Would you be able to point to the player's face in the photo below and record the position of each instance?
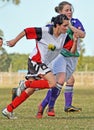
(67, 10)
(64, 26)
(1, 42)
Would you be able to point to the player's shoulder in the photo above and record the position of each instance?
(74, 20)
(45, 29)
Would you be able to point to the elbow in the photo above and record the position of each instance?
(83, 36)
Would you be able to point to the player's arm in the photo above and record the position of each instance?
(77, 30)
(74, 46)
(30, 33)
(12, 42)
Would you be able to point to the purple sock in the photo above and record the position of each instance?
(54, 95)
(68, 96)
(46, 99)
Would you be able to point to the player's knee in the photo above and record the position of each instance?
(29, 91)
(52, 85)
(71, 81)
(61, 81)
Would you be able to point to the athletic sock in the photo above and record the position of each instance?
(17, 101)
(46, 99)
(68, 95)
(54, 95)
(41, 84)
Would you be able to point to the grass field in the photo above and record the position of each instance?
(62, 121)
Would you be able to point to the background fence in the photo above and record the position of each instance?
(11, 79)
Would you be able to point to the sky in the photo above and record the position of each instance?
(34, 13)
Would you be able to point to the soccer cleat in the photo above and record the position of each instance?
(20, 88)
(40, 112)
(72, 109)
(9, 115)
(50, 112)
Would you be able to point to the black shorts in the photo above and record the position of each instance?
(35, 69)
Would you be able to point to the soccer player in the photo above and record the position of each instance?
(75, 26)
(49, 42)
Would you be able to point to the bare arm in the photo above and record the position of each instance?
(75, 39)
(81, 33)
(12, 42)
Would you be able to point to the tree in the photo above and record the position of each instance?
(16, 2)
(4, 60)
(80, 60)
(18, 61)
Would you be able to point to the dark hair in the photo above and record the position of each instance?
(1, 38)
(61, 6)
(58, 19)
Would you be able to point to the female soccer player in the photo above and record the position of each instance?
(75, 26)
(49, 42)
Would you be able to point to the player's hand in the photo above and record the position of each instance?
(75, 37)
(11, 43)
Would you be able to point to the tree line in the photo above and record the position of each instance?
(15, 62)
(12, 62)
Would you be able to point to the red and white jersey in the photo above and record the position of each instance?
(44, 36)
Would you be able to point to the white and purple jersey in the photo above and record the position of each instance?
(76, 23)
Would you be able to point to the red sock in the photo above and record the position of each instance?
(42, 84)
(17, 101)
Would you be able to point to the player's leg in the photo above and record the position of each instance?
(49, 100)
(16, 102)
(68, 94)
(59, 69)
(46, 80)
(55, 92)
(20, 88)
(41, 84)
(43, 104)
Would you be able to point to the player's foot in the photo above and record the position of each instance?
(9, 115)
(20, 88)
(72, 109)
(40, 112)
(50, 112)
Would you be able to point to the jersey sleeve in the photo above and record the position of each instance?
(76, 23)
(33, 33)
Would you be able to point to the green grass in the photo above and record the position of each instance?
(62, 121)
